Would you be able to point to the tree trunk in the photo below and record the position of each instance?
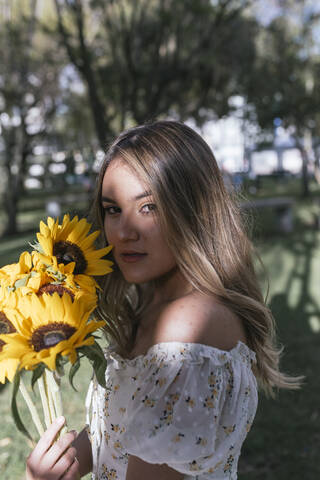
(305, 192)
(317, 164)
(304, 144)
(10, 202)
(84, 66)
(17, 150)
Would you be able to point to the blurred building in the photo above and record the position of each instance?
(234, 147)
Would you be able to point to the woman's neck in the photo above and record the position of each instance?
(170, 287)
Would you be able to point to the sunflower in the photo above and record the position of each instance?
(29, 276)
(22, 276)
(52, 325)
(14, 269)
(8, 298)
(70, 245)
(62, 275)
(8, 326)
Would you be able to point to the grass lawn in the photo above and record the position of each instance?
(285, 438)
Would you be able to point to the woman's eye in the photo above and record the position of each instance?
(148, 208)
(111, 210)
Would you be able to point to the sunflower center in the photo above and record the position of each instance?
(67, 252)
(5, 327)
(51, 288)
(48, 336)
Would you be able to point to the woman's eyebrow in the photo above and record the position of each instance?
(138, 197)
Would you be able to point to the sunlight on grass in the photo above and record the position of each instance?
(283, 443)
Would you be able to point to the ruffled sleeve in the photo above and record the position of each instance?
(192, 407)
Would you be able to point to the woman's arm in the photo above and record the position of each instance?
(138, 469)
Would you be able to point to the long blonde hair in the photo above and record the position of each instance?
(204, 231)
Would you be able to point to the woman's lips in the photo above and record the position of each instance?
(132, 257)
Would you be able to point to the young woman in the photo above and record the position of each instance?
(189, 333)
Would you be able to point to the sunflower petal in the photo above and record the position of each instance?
(8, 369)
(89, 240)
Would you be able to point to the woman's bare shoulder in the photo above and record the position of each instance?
(199, 318)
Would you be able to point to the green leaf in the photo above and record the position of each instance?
(22, 282)
(73, 370)
(61, 361)
(14, 407)
(100, 372)
(37, 246)
(37, 372)
(99, 363)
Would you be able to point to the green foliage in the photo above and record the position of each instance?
(29, 96)
(73, 370)
(284, 80)
(14, 409)
(36, 374)
(145, 59)
(95, 355)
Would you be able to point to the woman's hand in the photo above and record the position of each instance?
(54, 461)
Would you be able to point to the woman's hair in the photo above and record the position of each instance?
(203, 228)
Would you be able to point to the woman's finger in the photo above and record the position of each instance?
(65, 461)
(58, 449)
(73, 472)
(47, 439)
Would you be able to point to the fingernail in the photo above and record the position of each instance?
(60, 420)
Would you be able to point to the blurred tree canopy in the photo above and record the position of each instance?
(284, 85)
(73, 73)
(29, 98)
(141, 59)
(137, 60)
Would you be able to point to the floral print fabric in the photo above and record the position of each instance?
(187, 405)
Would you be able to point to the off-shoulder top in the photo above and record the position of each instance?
(187, 405)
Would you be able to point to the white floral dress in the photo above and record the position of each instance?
(187, 405)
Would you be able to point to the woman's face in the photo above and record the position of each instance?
(132, 227)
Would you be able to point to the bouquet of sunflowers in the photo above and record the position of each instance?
(46, 304)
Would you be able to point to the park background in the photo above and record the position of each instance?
(246, 74)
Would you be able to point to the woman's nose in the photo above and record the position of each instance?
(127, 229)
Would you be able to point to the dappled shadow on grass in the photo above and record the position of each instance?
(285, 437)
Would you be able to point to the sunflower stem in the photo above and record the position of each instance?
(32, 408)
(44, 400)
(56, 396)
(50, 397)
